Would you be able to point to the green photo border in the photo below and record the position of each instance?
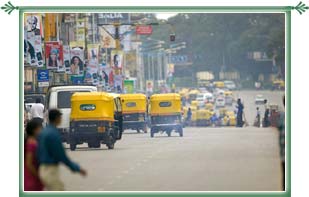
(259, 9)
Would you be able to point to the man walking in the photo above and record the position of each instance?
(240, 108)
(37, 110)
(51, 153)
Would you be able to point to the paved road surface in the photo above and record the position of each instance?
(205, 159)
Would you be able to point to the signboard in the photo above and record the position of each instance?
(104, 18)
(76, 80)
(43, 75)
(128, 86)
(179, 59)
(144, 29)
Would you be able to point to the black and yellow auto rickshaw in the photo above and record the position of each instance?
(165, 114)
(134, 109)
(96, 118)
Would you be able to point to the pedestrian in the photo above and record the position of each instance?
(51, 153)
(240, 108)
(32, 181)
(258, 117)
(189, 116)
(281, 129)
(37, 110)
(266, 121)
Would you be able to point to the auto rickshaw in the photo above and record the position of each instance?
(134, 112)
(203, 117)
(278, 84)
(222, 112)
(96, 117)
(209, 106)
(219, 84)
(193, 95)
(165, 113)
(229, 119)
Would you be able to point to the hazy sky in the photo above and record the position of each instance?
(165, 15)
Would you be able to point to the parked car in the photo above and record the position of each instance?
(230, 85)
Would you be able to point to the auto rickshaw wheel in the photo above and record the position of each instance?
(110, 145)
(72, 146)
(180, 131)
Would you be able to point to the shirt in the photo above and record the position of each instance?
(51, 150)
(37, 110)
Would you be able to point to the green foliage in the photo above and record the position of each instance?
(214, 39)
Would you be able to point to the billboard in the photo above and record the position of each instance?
(54, 56)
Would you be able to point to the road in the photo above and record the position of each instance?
(205, 159)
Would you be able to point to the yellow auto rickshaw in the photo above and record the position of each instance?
(203, 117)
(134, 109)
(165, 114)
(219, 84)
(209, 106)
(278, 84)
(193, 95)
(96, 117)
(229, 119)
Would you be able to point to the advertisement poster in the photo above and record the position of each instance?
(66, 58)
(34, 24)
(106, 40)
(76, 61)
(33, 41)
(118, 83)
(54, 56)
(106, 76)
(117, 59)
(128, 86)
(33, 49)
(93, 64)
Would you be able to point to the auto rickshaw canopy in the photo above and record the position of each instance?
(133, 103)
(219, 84)
(92, 106)
(165, 104)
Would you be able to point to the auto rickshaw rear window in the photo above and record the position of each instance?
(131, 104)
(165, 104)
(87, 107)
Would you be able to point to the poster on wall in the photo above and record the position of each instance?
(128, 86)
(54, 56)
(106, 76)
(33, 49)
(66, 58)
(33, 24)
(93, 64)
(117, 59)
(33, 40)
(76, 61)
(118, 83)
(106, 40)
